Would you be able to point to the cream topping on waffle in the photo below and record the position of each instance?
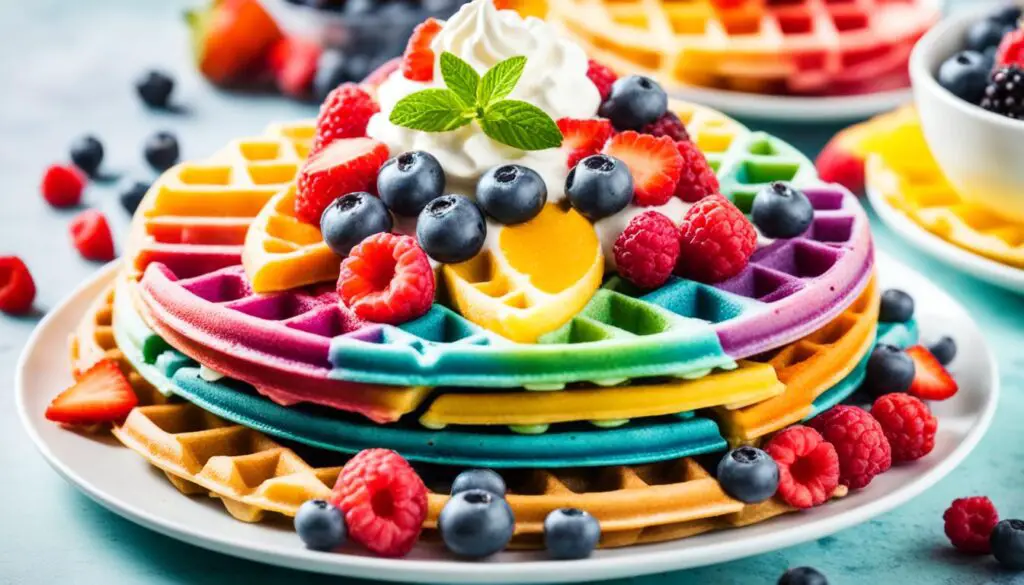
(554, 79)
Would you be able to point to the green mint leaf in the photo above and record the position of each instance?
(431, 110)
(499, 81)
(460, 77)
(520, 125)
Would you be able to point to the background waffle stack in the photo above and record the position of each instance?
(811, 47)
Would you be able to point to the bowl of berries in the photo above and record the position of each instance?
(968, 79)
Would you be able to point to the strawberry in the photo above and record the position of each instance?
(230, 39)
(102, 394)
(837, 163)
(293, 62)
(931, 380)
(583, 138)
(90, 233)
(418, 60)
(344, 114)
(654, 162)
(347, 165)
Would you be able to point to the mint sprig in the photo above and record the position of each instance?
(468, 97)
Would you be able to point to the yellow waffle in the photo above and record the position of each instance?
(900, 168)
(253, 475)
(195, 216)
(808, 367)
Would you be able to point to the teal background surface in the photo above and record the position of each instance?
(67, 68)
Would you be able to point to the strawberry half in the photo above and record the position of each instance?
(418, 60)
(654, 162)
(101, 395)
(347, 165)
(931, 380)
(583, 138)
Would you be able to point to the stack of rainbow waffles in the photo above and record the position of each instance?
(802, 47)
(594, 319)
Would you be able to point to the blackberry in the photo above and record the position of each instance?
(1005, 93)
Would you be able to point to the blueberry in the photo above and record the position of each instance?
(1007, 542)
(351, 218)
(965, 75)
(87, 154)
(944, 350)
(889, 370)
(1008, 15)
(635, 102)
(985, 33)
(409, 181)
(132, 195)
(780, 211)
(479, 479)
(599, 186)
(320, 525)
(155, 88)
(570, 533)
(511, 194)
(360, 7)
(451, 229)
(161, 151)
(748, 474)
(803, 576)
(476, 524)
(897, 307)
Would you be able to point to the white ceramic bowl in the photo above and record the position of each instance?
(981, 153)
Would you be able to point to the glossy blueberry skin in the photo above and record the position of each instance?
(599, 186)
(87, 154)
(889, 370)
(320, 525)
(896, 307)
(161, 151)
(155, 87)
(748, 474)
(132, 195)
(780, 211)
(1007, 542)
(476, 524)
(479, 479)
(451, 229)
(634, 102)
(571, 533)
(409, 181)
(985, 33)
(511, 194)
(351, 218)
(803, 576)
(944, 350)
(965, 75)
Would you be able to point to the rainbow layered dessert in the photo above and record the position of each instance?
(479, 299)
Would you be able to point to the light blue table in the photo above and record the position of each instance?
(67, 68)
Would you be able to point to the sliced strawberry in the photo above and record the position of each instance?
(931, 380)
(583, 138)
(418, 60)
(347, 165)
(654, 162)
(102, 394)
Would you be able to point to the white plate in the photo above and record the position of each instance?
(795, 108)
(121, 481)
(980, 267)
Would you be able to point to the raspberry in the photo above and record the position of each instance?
(17, 289)
(669, 125)
(1011, 49)
(602, 77)
(384, 501)
(697, 180)
(716, 241)
(808, 466)
(969, 524)
(344, 114)
(62, 185)
(860, 444)
(418, 60)
(347, 165)
(647, 250)
(387, 279)
(91, 235)
(908, 424)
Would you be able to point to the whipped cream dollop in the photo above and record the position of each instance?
(554, 79)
